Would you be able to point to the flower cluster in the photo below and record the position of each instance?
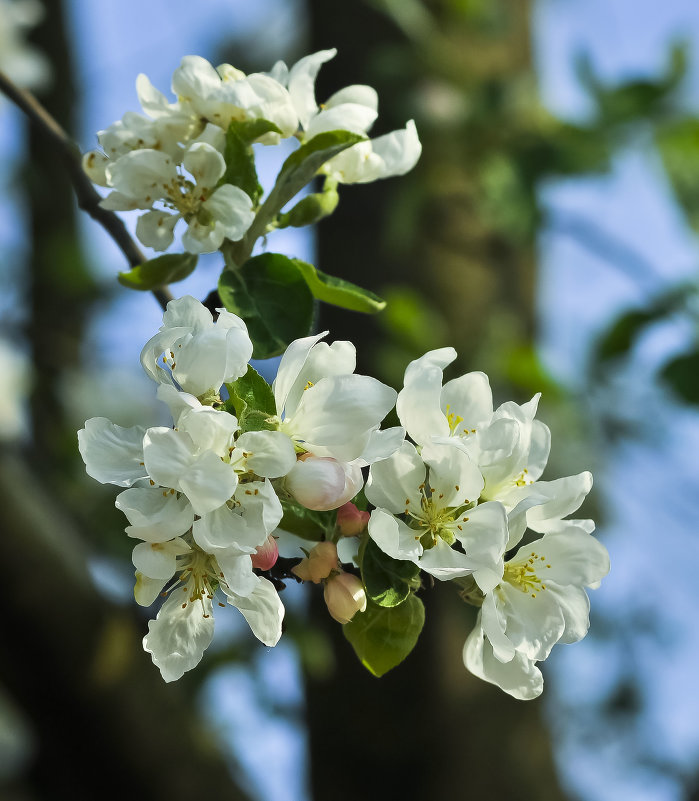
(206, 497)
(170, 161)
(457, 504)
(203, 496)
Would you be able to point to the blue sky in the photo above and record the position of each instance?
(579, 294)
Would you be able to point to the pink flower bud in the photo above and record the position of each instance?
(350, 520)
(323, 483)
(266, 555)
(319, 563)
(344, 596)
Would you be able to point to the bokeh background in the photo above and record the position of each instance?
(549, 233)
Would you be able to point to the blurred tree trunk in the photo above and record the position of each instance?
(427, 729)
(102, 722)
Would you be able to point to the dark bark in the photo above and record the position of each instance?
(427, 729)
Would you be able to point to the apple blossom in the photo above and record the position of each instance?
(540, 601)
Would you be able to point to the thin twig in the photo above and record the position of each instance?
(88, 198)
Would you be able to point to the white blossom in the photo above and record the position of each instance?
(540, 601)
(200, 355)
(322, 405)
(426, 504)
(225, 94)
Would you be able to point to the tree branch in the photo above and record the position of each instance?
(88, 198)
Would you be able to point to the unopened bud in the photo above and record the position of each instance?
(344, 596)
(266, 555)
(350, 520)
(322, 483)
(319, 563)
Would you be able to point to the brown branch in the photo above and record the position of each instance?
(88, 198)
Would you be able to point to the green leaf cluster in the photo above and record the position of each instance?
(160, 271)
(251, 400)
(382, 636)
(307, 523)
(274, 295)
(387, 631)
(388, 582)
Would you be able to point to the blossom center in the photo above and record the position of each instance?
(436, 521)
(523, 574)
(455, 420)
(200, 578)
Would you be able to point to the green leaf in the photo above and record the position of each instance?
(160, 271)
(620, 337)
(678, 143)
(682, 374)
(306, 523)
(239, 156)
(251, 400)
(387, 581)
(252, 130)
(382, 637)
(339, 292)
(271, 295)
(310, 209)
(302, 165)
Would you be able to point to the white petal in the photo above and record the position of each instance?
(154, 515)
(575, 606)
(118, 201)
(339, 413)
(151, 99)
(566, 495)
(301, 83)
(344, 117)
(205, 163)
(112, 454)
(178, 637)
(535, 620)
(291, 364)
(519, 678)
(209, 428)
(155, 229)
(168, 455)
(398, 150)
(154, 560)
(143, 174)
(147, 589)
(195, 78)
(177, 402)
(393, 537)
(237, 571)
(469, 397)
(208, 483)
(356, 93)
(270, 453)
(484, 539)
(263, 610)
(394, 483)
(574, 555)
(232, 209)
(445, 563)
(382, 444)
(94, 165)
(224, 529)
(187, 312)
(454, 478)
(539, 449)
(418, 403)
(493, 621)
